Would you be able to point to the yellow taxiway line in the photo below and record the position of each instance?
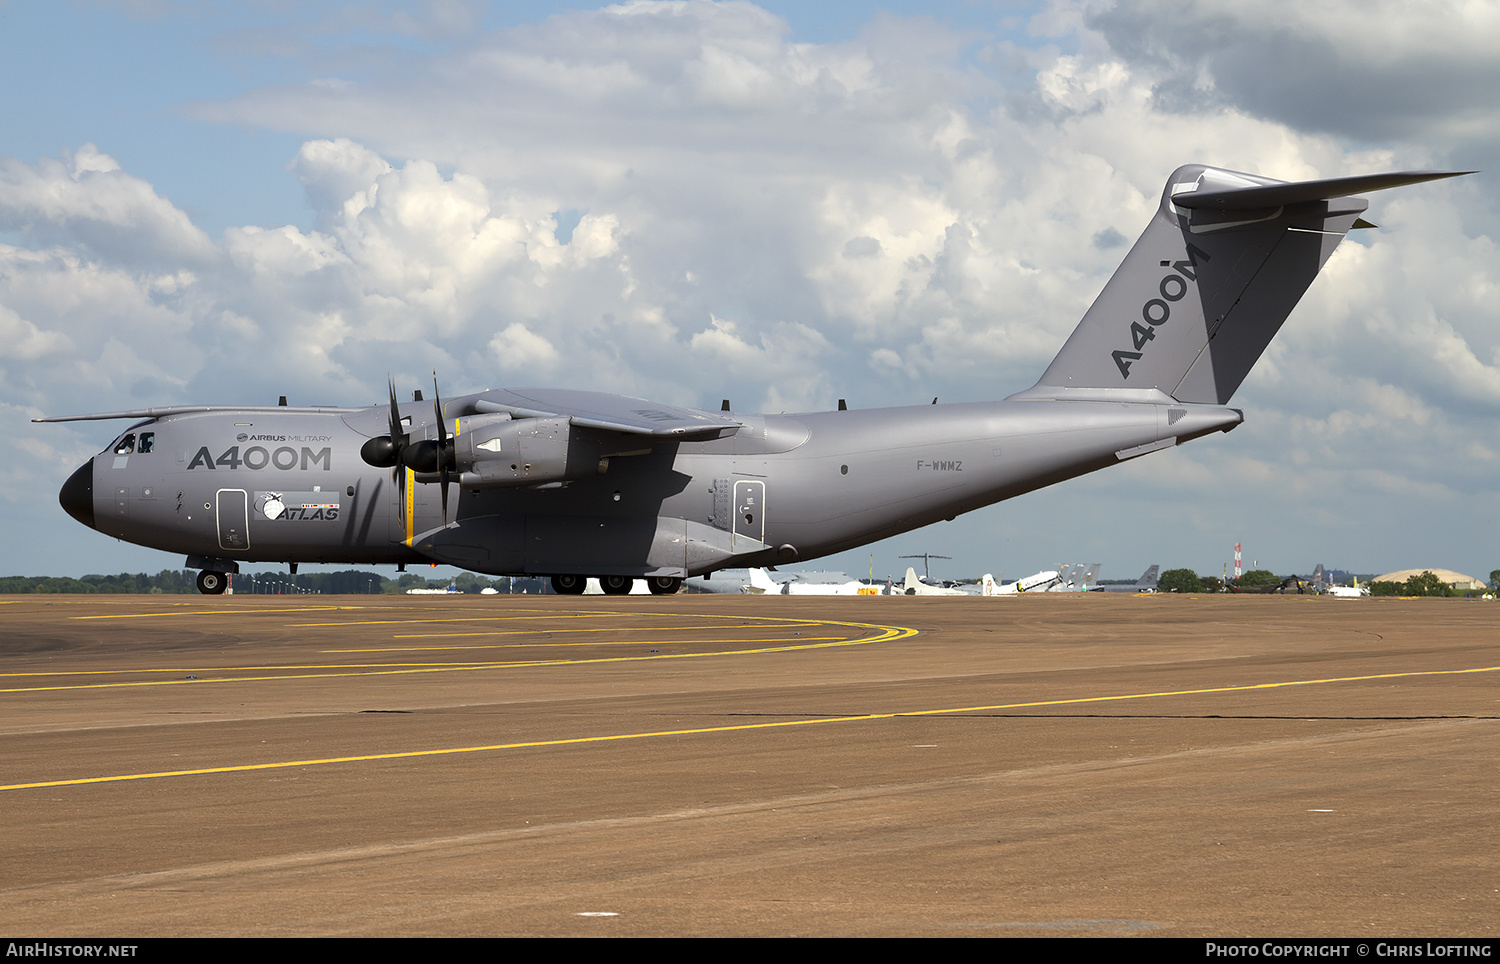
(881, 634)
(738, 727)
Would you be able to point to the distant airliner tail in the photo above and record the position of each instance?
(1225, 259)
(761, 582)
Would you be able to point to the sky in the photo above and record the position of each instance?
(784, 204)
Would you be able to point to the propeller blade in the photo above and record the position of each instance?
(442, 452)
(395, 416)
(398, 446)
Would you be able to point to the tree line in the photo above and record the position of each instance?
(1424, 584)
(345, 582)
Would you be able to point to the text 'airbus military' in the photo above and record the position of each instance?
(572, 484)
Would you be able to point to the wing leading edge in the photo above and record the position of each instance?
(610, 413)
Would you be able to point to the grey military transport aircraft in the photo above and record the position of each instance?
(577, 484)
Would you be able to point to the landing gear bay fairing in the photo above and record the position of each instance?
(575, 484)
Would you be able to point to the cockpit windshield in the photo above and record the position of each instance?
(130, 442)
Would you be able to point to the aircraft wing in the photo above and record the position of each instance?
(612, 413)
(164, 411)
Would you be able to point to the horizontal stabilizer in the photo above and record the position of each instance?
(1282, 193)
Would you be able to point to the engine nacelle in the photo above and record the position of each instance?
(498, 452)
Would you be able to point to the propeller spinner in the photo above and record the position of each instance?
(385, 451)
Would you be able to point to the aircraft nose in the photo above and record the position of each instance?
(77, 495)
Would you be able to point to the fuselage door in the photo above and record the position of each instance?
(233, 516)
(749, 511)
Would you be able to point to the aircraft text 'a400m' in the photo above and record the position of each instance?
(573, 484)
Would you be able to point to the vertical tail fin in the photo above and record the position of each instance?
(1225, 259)
(761, 582)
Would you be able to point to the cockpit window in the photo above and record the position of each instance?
(148, 440)
(126, 445)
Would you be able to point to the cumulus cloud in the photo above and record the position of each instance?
(24, 342)
(1370, 70)
(336, 172)
(85, 199)
(518, 350)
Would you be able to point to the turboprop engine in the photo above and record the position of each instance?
(497, 451)
(491, 450)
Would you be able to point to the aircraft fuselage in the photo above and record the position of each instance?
(289, 485)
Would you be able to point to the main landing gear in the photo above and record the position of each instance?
(569, 585)
(212, 583)
(614, 585)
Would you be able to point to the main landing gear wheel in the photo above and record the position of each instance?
(615, 585)
(211, 583)
(568, 585)
(663, 585)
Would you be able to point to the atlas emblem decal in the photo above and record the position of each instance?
(297, 506)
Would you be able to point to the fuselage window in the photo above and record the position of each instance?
(126, 445)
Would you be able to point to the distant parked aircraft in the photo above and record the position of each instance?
(1355, 591)
(1076, 578)
(916, 587)
(809, 584)
(1036, 582)
(1147, 583)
